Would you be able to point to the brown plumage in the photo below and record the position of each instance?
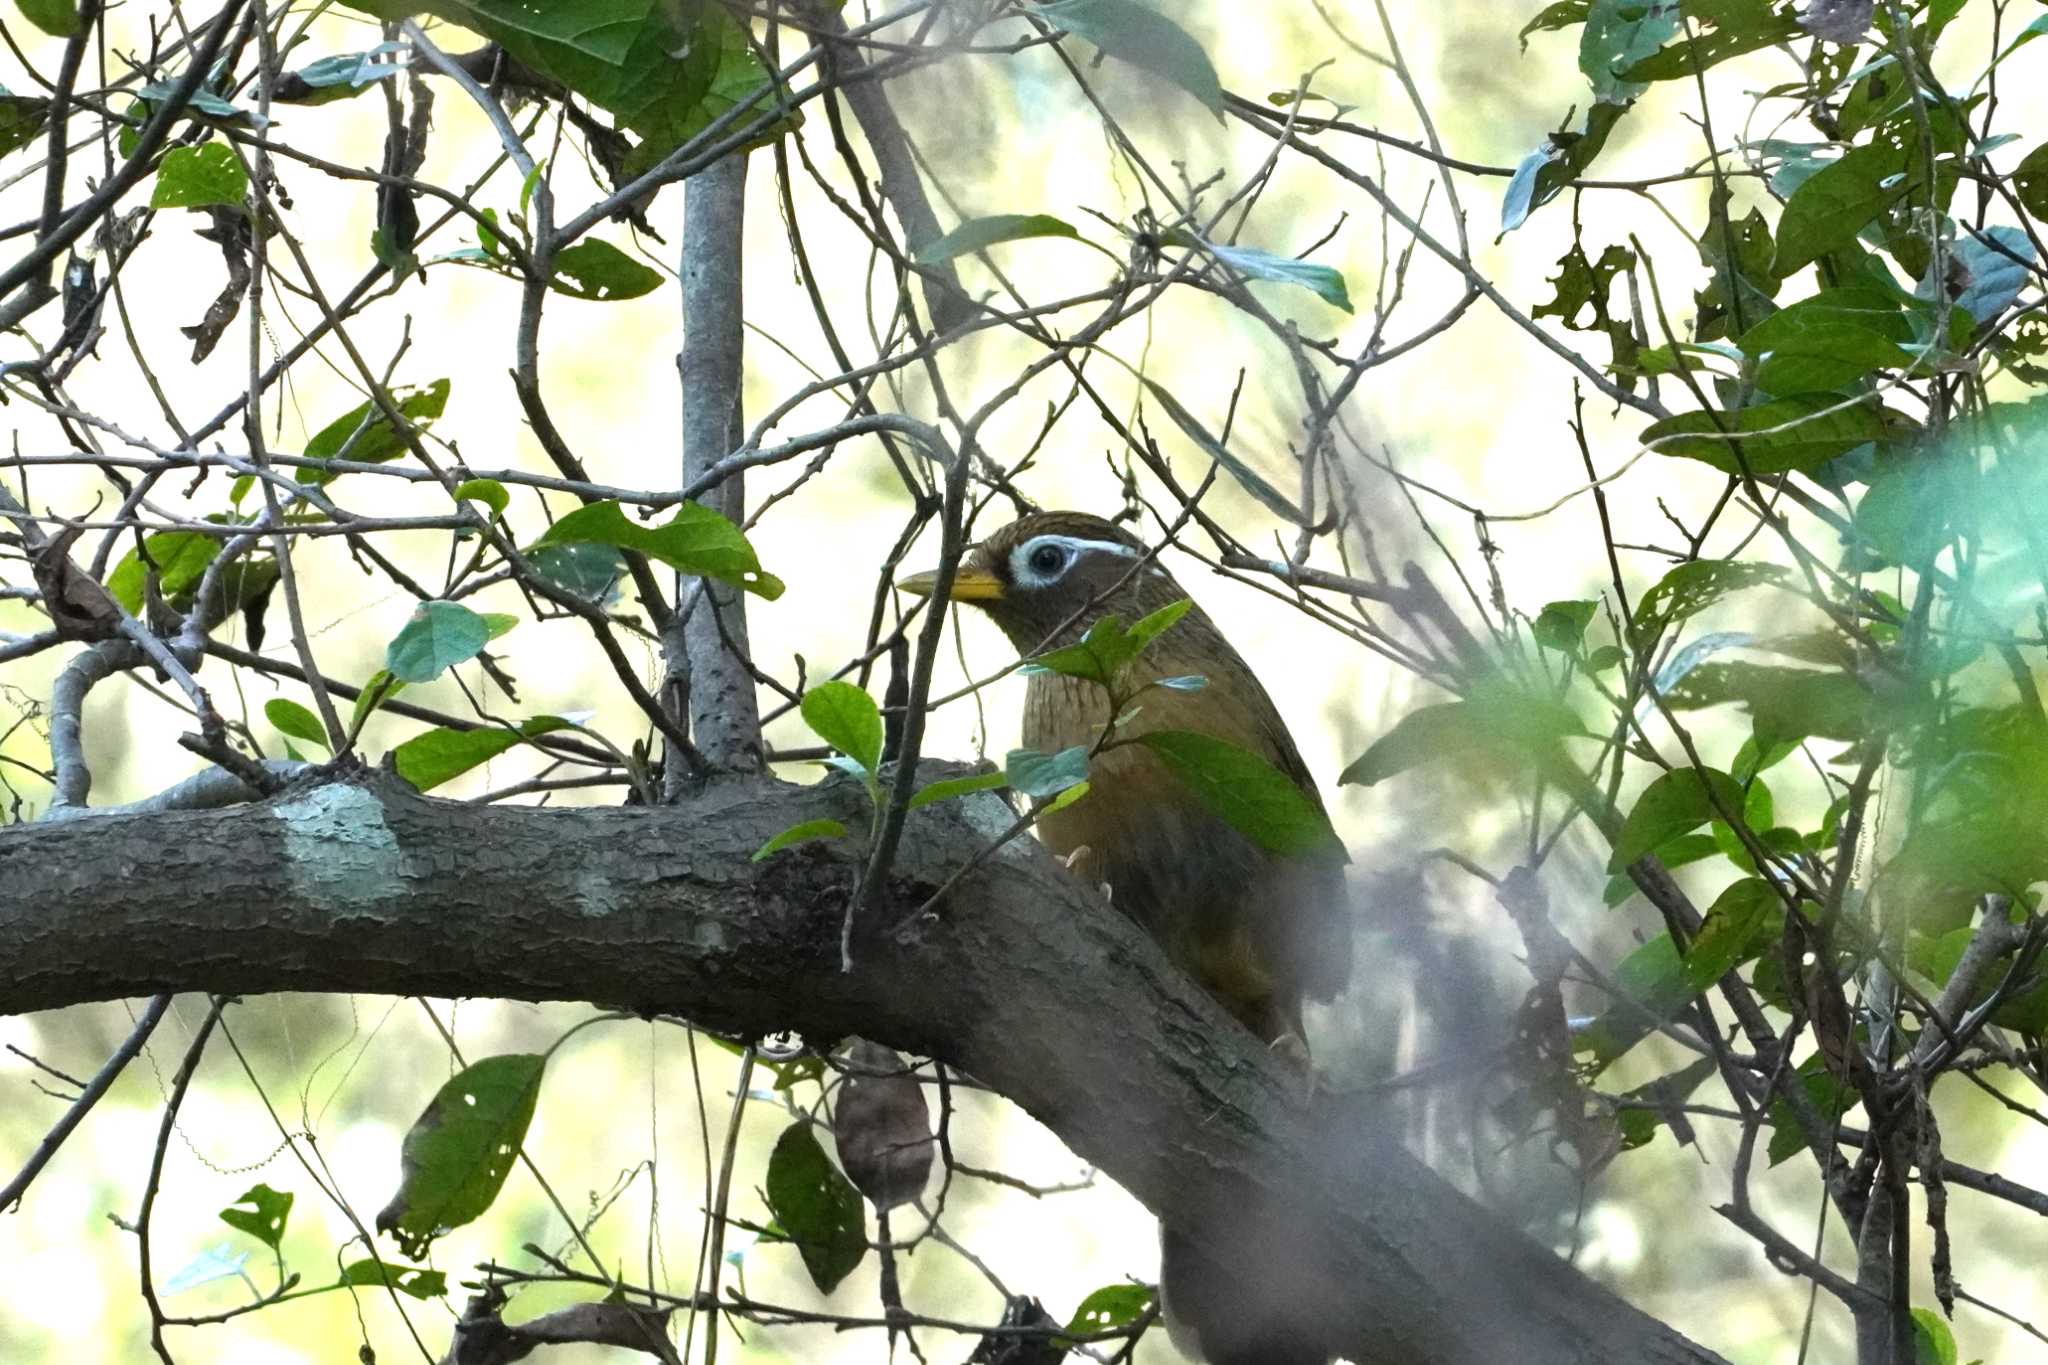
(1261, 932)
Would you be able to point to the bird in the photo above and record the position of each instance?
(1262, 933)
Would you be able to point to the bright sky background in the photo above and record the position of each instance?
(1479, 415)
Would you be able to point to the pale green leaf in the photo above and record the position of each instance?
(195, 177)
(427, 760)
(948, 788)
(978, 234)
(292, 719)
(801, 833)
(846, 717)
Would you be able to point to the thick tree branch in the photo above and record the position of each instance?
(705, 645)
(1021, 978)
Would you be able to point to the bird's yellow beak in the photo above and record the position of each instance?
(969, 585)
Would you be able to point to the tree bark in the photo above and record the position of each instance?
(1023, 978)
(711, 617)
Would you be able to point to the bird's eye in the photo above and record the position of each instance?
(1048, 560)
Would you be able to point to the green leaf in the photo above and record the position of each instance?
(1325, 282)
(1839, 201)
(1826, 358)
(1105, 1310)
(1787, 704)
(1276, 502)
(593, 269)
(1753, 758)
(1738, 926)
(1677, 803)
(1041, 775)
(1617, 35)
(1858, 306)
(181, 559)
(1830, 1096)
(790, 1074)
(1686, 848)
(364, 435)
(696, 540)
(1933, 1343)
(489, 492)
(948, 788)
(1095, 657)
(381, 687)
(1152, 625)
(1557, 15)
(1499, 722)
(194, 177)
(1743, 284)
(1829, 340)
(438, 636)
(1424, 734)
(1562, 625)
(586, 570)
(58, 18)
(1685, 357)
(1065, 798)
(978, 234)
(1640, 1124)
(1653, 986)
(802, 833)
(846, 718)
(737, 77)
(2036, 28)
(2024, 1010)
(2030, 178)
(1260, 802)
(427, 760)
(22, 120)
(1964, 851)
(292, 719)
(652, 64)
(1815, 429)
(265, 1217)
(1730, 28)
(458, 1152)
(1689, 589)
(1148, 40)
(1108, 648)
(1581, 303)
(336, 78)
(818, 1208)
(412, 1281)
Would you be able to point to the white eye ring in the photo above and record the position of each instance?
(1043, 560)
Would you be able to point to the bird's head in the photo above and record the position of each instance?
(1035, 574)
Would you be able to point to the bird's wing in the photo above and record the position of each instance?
(1310, 941)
